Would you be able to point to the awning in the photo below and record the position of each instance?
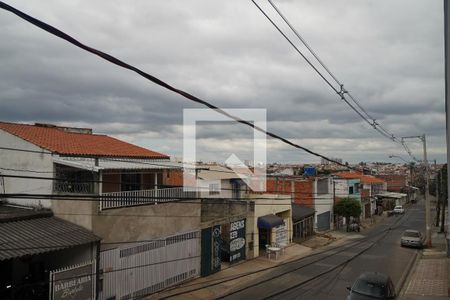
(300, 212)
(40, 235)
(391, 195)
(269, 221)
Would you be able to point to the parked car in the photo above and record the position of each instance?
(372, 285)
(412, 238)
(399, 210)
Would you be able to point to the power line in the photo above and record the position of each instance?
(344, 246)
(179, 200)
(115, 270)
(281, 184)
(202, 168)
(56, 32)
(382, 234)
(342, 92)
(195, 257)
(25, 170)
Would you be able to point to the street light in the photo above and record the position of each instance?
(426, 196)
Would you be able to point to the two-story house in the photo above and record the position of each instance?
(119, 191)
(369, 187)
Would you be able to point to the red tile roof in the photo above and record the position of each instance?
(56, 140)
(363, 178)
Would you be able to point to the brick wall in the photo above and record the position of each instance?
(300, 188)
(395, 183)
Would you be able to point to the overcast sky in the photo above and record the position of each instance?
(389, 54)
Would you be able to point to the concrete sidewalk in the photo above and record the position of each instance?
(292, 252)
(230, 277)
(430, 275)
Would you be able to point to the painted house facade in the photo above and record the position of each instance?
(301, 191)
(116, 190)
(323, 203)
(369, 187)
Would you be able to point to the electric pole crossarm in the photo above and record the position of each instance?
(427, 187)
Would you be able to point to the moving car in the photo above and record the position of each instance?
(412, 238)
(372, 285)
(399, 210)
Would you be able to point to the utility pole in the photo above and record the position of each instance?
(427, 193)
(335, 225)
(427, 188)
(438, 196)
(443, 186)
(447, 106)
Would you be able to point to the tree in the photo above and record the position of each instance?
(348, 207)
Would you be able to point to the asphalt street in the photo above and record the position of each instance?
(327, 274)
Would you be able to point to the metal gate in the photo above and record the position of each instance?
(323, 221)
(367, 213)
(138, 269)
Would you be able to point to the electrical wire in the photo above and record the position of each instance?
(383, 235)
(282, 182)
(344, 246)
(342, 92)
(191, 257)
(56, 32)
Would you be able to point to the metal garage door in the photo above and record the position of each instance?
(323, 221)
(137, 269)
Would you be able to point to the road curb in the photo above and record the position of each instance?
(406, 274)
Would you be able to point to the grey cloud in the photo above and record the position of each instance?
(227, 53)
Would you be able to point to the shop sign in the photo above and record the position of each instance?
(281, 234)
(237, 240)
(76, 282)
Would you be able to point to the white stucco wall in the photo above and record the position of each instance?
(224, 186)
(341, 188)
(323, 202)
(19, 160)
(274, 204)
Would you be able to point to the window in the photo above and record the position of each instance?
(376, 290)
(356, 188)
(73, 180)
(322, 186)
(131, 182)
(350, 190)
(236, 190)
(214, 189)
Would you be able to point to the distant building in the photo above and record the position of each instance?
(395, 183)
(368, 188)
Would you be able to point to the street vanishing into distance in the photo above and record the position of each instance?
(327, 272)
(202, 150)
(378, 250)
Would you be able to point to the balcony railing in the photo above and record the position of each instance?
(143, 197)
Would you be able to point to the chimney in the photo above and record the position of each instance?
(66, 129)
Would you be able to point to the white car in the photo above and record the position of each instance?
(399, 210)
(412, 238)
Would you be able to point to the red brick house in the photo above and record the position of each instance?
(395, 183)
